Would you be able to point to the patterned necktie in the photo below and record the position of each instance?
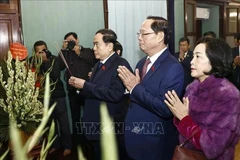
(144, 69)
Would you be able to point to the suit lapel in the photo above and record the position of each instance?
(104, 68)
(155, 65)
(94, 71)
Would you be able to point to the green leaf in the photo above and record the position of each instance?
(107, 139)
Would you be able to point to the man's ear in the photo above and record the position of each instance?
(110, 46)
(160, 36)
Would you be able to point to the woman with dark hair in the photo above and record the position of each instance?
(211, 105)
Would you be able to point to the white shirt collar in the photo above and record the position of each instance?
(104, 61)
(154, 58)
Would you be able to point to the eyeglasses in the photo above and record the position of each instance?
(144, 34)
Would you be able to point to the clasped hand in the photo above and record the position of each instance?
(178, 108)
(128, 78)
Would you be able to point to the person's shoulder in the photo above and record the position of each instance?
(54, 56)
(64, 51)
(86, 49)
(228, 86)
(120, 59)
(226, 89)
(173, 58)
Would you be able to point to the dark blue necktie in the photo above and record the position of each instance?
(99, 67)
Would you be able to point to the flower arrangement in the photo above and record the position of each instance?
(32, 149)
(19, 96)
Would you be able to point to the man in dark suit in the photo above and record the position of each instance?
(80, 61)
(104, 85)
(149, 130)
(185, 56)
(236, 63)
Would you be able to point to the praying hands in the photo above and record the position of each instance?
(177, 107)
(128, 78)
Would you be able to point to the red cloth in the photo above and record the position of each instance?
(186, 127)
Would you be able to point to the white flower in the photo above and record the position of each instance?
(21, 103)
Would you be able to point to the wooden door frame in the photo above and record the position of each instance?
(105, 13)
(186, 32)
(225, 20)
(10, 16)
(14, 8)
(186, 18)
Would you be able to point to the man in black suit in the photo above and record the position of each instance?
(104, 85)
(185, 56)
(236, 63)
(80, 61)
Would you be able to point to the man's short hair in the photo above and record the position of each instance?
(160, 24)
(109, 36)
(184, 39)
(71, 34)
(210, 34)
(39, 43)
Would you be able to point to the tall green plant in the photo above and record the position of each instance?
(108, 138)
(20, 151)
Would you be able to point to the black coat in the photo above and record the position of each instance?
(55, 76)
(79, 66)
(104, 86)
(187, 68)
